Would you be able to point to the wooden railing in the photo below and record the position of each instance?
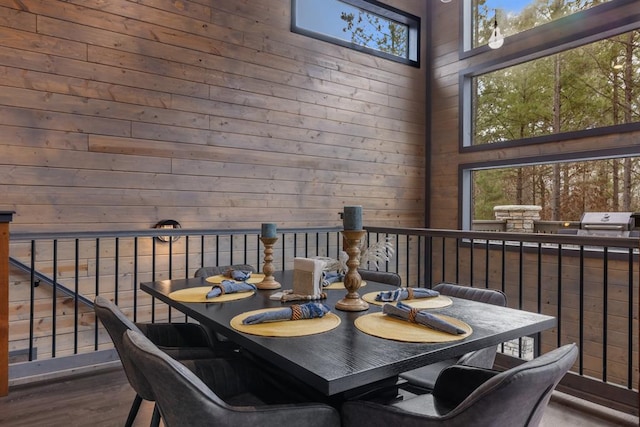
(5, 219)
(590, 285)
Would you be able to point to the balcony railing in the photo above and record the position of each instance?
(589, 284)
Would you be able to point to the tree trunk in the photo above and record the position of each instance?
(555, 197)
(628, 85)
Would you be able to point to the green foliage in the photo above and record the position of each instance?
(375, 32)
(488, 192)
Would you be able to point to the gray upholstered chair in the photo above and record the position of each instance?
(185, 399)
(180, 340)
(385, 277)
(470, 396)
(425, 377)
(221, 269)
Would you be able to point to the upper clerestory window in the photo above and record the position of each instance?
(363, 25)
(516, 16)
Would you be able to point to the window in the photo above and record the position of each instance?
(366, 26)
(555, 112)
(564, 190)
(516, 16)
(593, 86)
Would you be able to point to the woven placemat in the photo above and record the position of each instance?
(255, 278)
(285, 328)
(199, 294)
(340, 285)
(433, 302)
(383, 326)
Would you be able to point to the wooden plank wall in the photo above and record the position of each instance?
(114, 115)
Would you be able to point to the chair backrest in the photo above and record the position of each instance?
(221, 269)
(385, 277)
(116, 324)
(483, 358)
(185, 400)
(489, 296)
(518, 396)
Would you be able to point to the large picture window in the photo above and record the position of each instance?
(593, 86)
(564, 190)
(367, 26)
(558, 80)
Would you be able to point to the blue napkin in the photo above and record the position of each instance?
(404, 312)
(230, 287)
(309, 310)
(239, 275)
(329, 277)
(404, 293)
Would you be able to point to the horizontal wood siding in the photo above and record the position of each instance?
(115, 115)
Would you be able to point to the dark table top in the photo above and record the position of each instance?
(345, 359)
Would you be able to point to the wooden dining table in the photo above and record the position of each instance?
(345, 362)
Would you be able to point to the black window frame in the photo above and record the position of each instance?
(559, 41)
(376, 8)
(587, 36)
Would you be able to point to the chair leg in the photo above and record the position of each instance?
(155, 418)
(135, 406)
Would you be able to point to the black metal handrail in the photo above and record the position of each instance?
(41, 278)
(521, 264)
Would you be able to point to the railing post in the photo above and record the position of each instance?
(5, 219)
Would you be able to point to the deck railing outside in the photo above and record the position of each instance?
(589, 283)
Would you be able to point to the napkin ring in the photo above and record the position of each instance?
(412, 315)
(296, 312)
(219, 287)
(409, 293)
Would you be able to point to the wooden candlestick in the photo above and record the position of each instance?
(352, 279)
(268, 282)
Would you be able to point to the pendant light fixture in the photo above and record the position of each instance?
(496, 40)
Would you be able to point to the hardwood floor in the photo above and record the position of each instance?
(103, 399)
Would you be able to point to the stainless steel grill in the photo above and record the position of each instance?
(606, 224)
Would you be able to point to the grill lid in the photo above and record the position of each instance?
(606, 224)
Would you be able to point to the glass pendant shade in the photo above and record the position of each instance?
(496, 40)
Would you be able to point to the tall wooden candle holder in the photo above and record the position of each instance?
(268, 282)
(352, 279)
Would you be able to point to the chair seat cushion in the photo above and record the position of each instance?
(425, 404)
(426, 376)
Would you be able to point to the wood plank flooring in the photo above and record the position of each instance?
(99, 400)
(103, 399)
